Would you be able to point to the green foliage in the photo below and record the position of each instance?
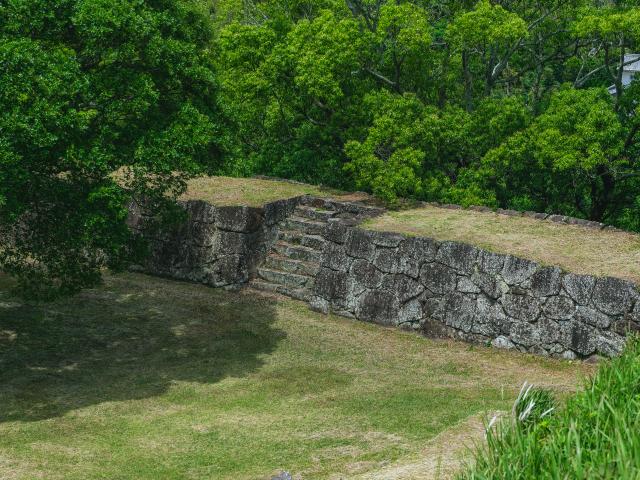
(462, 101)
(100, 102)
(579, 141)
(595, 435)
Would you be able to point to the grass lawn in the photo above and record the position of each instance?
(574, 248)
(256, 192)
(146, 378)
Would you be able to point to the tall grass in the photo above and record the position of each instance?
(595, 435)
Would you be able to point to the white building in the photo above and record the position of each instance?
(628, 71)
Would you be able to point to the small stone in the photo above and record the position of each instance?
(502, 342)
(569, 355)
(282, 476)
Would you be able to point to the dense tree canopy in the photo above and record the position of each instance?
(499, 102)
(495, 102)
(101, 102)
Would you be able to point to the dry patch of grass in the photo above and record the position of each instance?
(146, 378)
(574, 248)
(256, 192)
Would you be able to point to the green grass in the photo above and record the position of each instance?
(596, 435)
(256, 192)
(574, 248)
(146, 378)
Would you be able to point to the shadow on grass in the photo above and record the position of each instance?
(130, 339)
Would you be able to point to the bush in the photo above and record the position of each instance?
(595, 435)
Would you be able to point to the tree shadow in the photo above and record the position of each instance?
(130, 339)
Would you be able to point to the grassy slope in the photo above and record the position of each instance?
(255, 192)
(147, 378)
(574, 248)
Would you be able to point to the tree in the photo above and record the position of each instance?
(574, 158)
(102, 102)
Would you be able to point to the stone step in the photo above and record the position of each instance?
(304, 225)
(285, 264)
(313, 213)
(291, 280)
(312, 241)
(297, 252)
(297, 293)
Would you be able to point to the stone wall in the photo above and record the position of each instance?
(449, 289)
(217, 246)
(442, 289)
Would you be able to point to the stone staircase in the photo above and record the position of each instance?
(294, 260)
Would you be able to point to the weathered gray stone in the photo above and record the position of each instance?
(522, 307)
(387, 260)
(410, 313)
(438, 278)
(331, 284)
(569, 355)
(614, 296)
(336, 232)
(579, 287)
(525, 334)
(508, 212)
(387, 239)
(234, 243)
(359, 244)
(559, 308)
(365, 274)
(536, 215)
(546, 282)
(319, 304)
(558, 218)
(592, 317)
(581, 338)
(609, 344)
(489, 284)
(459, 256)
(434, 308)
(502, 342)
(556, 332)
(517, 270)
(334, 256)
(406, 288)
(465, 285)
(459, 311)
(238, 219)
(490, 319)
(413, 252)
(199, 211)
(491, 263)
(278, 211)
(378, 306)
